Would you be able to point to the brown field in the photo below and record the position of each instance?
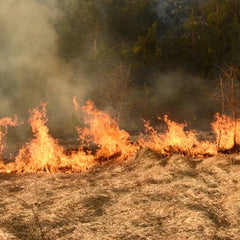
(148, 197)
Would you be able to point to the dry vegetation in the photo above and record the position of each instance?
(148, 197)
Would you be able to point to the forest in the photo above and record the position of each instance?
(196, 35)
(135, 59)
(125, 44)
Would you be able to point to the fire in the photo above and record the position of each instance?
(227, 131)
(44, 153)
(105, 140)
(104, 131)
(176, 140)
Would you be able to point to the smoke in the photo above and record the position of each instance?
(30, 69)
(182, 96)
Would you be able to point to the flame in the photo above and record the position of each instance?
(226, 130)
(44, 153)
(175, 140)
(105, 140)
(104, 131)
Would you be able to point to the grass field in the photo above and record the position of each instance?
(148, 197)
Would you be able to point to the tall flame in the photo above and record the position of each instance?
(105, 132)
(44, 153)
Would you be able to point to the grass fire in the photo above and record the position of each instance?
(102, 140)
(119, 120)
(166, 176)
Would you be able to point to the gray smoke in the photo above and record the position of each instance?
(30, 69)
(182, 96)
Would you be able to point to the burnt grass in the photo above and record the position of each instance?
(148, 196)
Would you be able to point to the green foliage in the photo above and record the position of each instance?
(198, 35)
(147, 48)
(212, 33)
(98, 30)
(79, 27)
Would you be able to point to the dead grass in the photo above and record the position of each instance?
(150, 197)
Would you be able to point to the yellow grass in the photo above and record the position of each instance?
(149, 197)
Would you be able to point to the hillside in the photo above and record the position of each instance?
(148, 197)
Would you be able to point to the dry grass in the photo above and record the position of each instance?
(149, 197)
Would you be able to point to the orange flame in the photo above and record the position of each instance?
(176, 140)
(44, 153)
(104, 131)
(225, 129)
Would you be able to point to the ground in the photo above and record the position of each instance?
(145, 197)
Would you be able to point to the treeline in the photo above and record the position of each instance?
(147, 57)
(198, 35)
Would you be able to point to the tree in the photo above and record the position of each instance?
(94, 30)
(176, 50)
(117, 86)
(229, 98)
(212, 33)
(79, 27)
(201, 34)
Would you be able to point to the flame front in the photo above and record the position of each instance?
(227, 131)
(176, 140)
(104, 131)
(44, 153)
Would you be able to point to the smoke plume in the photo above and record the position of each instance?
(30, 69)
